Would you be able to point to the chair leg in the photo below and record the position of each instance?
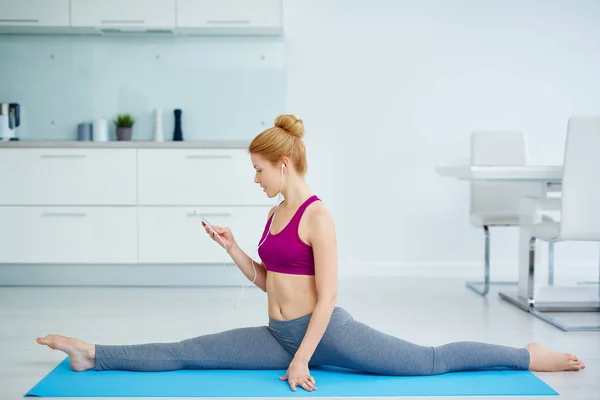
(542, 315)
(550, 263)
(475, 286)
(486, 268)
(531, 274)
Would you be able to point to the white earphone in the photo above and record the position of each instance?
(260, 244)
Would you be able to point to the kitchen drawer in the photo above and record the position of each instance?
(123, 14)
(210, 177)
(68, 235)
(68, 176)
(176, 234)
(229, 14)
(43, 13)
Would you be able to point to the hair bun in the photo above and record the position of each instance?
(291, 124)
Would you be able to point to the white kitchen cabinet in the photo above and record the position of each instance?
(118, 206)
(123, 14)
(213, 17)
(40, 13)
(68, 176)
(176, 234)
(198, 177)
(230, 15)
(68, 235)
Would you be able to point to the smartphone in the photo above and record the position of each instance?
(206, 222)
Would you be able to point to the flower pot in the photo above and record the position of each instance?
(124, 133)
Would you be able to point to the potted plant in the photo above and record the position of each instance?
(124, 125)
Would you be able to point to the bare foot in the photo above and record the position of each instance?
(81, 354)
(546, 360)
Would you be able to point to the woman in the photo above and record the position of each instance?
(299, 274)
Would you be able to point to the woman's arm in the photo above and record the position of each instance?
(244, 263)
(323, 241)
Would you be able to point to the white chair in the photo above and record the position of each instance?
(497, 204)
(580, 210)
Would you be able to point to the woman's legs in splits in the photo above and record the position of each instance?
(351, 344)
(242, 348)
(347, 343)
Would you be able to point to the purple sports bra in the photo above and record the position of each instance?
(285, 252)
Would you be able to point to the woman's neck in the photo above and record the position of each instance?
(295, 192)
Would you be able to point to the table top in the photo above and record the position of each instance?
(538, 173)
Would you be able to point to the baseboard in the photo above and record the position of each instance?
(576, 270)
(120, 275)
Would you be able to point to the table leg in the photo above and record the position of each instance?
(530, 213)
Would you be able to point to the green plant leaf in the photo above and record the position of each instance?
(124, 121)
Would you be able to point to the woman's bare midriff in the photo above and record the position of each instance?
(290, 296)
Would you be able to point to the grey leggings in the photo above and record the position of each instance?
(346, 343)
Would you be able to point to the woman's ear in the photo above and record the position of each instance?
(285, 162)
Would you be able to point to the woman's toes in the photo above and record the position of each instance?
(46, 340)
(575, 365)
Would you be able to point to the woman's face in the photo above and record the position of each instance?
(267, 176)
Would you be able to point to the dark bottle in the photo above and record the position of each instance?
(177, 133)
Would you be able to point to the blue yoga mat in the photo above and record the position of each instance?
(62, 381)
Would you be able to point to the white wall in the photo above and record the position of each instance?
(390, 89)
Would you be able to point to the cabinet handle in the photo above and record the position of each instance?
(123, 21)
(207, 156)
(62, 156)
(230, 22)
(63, 214)
(20, 20)
(217, 214)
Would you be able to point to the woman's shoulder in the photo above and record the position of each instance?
(321, 227)
(318, 213)
(317, 207)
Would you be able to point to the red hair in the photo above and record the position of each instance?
(284, 139)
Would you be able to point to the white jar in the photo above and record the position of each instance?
(158, 128)
(100, 131)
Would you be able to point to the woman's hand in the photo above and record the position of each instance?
(298, 374)
(224, 237)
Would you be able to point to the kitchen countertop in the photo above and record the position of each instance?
(192, 144)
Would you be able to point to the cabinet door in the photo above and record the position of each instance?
(68, 235)
(123, 14)
(229, 13)
(198, 177)
(68, 176)
(176, 235)
(34, 13)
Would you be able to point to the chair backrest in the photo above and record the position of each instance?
(580, 208)
(497, 148)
